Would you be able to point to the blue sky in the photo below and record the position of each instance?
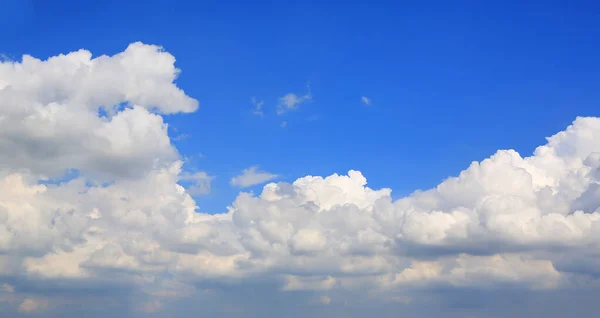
(449, 82)
(409, 93)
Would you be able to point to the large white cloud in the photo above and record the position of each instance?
(49, 112)
(505, 220)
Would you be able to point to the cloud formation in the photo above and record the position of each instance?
(258, 107)
(124, 222)
(50, 110)
(252, 176)
(365, 100)
(201, 182)
(292, 101)
(32, 305)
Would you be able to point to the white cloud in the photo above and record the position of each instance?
(365, 100)
(252, 176)
(292, 101)
(283, 124)
(530, 222)
(258, 107)
(325, 300)
(7, 288)
(55, 115)
(202, 182)
(32, 305)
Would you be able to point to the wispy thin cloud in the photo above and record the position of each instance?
(258, 106)
(202, 183)
(7, 288)
(365, 100)
(252, 176)
(292, 101)
(180, 137)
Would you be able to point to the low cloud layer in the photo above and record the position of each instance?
(122, 221)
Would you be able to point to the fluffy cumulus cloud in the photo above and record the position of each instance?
(123, 224)
(49, 117)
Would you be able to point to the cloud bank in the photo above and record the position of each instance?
(122, 221)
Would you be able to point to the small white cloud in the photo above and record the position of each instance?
(180, 137)
(258, 105)
(283, 124)
(7, 288)
(252, 176)
(292, 101)
(151, 306)
(31, 305)
(325, 300)
(202, 183)
(365, 100)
